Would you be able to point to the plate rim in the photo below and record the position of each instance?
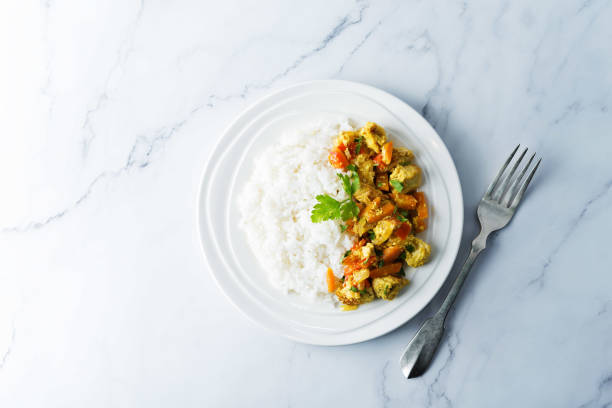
(290, 332)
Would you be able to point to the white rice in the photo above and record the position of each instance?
(276, 205)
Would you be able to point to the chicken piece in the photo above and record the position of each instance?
(346, 137)
(401, 156)
(404, 201)
(417, 251)
(383, 229)
(387, 287)
(374, 136)
(409, 176)
(365, 169)
(366, 251)
(350, 295)
(366, 193)
(362, 226)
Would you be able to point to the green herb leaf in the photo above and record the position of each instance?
(410, 248)
(363, 292)
(327, 208)
(351, 167)
(372, 235)
(381, 263)
(402, 218)
(404, 163)
(346, 183)
(397, 186)
(349, 210)
(402, 256)
(358, 147)
(355, 184)
(354, 289)
(342, 279)
(347, 253)
(386, 291)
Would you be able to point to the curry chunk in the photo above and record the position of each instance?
(365, 169)
(383, 230)
(346, 137)
(409, 176)
(401, 156)
(366, 193)
(374, 136)
(417, 251)
(388, 286)
(362, 226)
(350, 295)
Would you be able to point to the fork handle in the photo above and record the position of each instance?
(421, 349)
(478, 244)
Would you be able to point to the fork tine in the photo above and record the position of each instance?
(517, 183)
(519, 195)
(506, 184)
(499, 174)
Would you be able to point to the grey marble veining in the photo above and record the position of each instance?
(110, 110)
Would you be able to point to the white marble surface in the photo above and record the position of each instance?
(109, 110)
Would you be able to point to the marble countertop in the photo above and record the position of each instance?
(110, 109)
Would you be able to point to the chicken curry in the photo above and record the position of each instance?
(384, 211)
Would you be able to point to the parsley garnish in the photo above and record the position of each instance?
(354, 289)
(372, 235)
(401, 218)
(381, 263)
(402, 255)
(358, 147)
(386, 291)
(363, 292)
(410, 248)
(347, 253)
(397, 186)
(343, 227)
(329, 208)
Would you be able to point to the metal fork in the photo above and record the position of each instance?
(495, 210)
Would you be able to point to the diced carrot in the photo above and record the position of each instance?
(358, 244)
(387, 152)
(332, 281)
(378, 159)
(387, 209)
(403, 231)
(422, 211)
(420, 221)
(338, 159)
(375, 214)
(404, 201)
(391, 254)
(386, 270)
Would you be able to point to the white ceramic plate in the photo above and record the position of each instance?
(234, 266)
